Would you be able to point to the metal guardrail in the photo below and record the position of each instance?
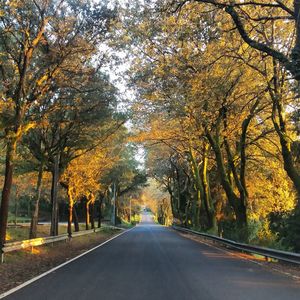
(19, 245)
(266, 252)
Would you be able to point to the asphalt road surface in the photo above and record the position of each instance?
(155, 262)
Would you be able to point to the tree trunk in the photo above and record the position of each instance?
(54, 190)
(87, 214)
(198, 187)
(35, 215)
(92, 215)
(187, 214)
(172, 200)
(286, 151)
(70, 211)
(234, 201)
(241, 204)
(295, 54)
(76, 222)
(100, 209)
(9, 168)
(16, 133)
(176, 192)
(178, 198)
(280, 126)
(209, 208)
(70, 219)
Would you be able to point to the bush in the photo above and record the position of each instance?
(228, 230)
(287, 227)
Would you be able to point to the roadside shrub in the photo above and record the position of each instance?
(287, 227)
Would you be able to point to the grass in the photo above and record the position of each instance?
(134, 220)
(84, 240)
(11, 219)
(126, 224)
(22, 233)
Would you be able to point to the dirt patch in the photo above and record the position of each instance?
(287, 269)
(23, 265)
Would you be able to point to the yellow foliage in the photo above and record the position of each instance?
(202, 77)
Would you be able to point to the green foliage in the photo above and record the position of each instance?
(286, 226)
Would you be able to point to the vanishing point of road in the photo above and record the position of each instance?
(157, 263)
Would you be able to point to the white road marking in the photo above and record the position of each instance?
(58, 267)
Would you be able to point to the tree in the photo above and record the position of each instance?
(83, 121)
(248, 17)
(266, 27)
(124, 178)
(81, 178)
(212, 107)
(157, 200)
(40, 33)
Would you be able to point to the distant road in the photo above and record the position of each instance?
(152, 262)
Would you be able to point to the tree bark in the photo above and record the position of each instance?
(199, 189)
(241, 203)
(15, 134)
(54, 190)
(35, 215)
(288, 160)
(177, 191)
(9, 168)
(70, 211)
(234, 201)
(17, 131)
(209, 207)
(172, 200)
(76, 222)
(280, 126)
(92, 215)
(100, 209)
(87, 214)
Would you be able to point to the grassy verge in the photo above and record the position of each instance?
(22, 232)
(135, 219)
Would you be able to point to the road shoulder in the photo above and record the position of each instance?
(22, 266)
(289, 270)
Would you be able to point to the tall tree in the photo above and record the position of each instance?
(43, 45)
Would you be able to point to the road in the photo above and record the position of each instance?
(155, 262)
